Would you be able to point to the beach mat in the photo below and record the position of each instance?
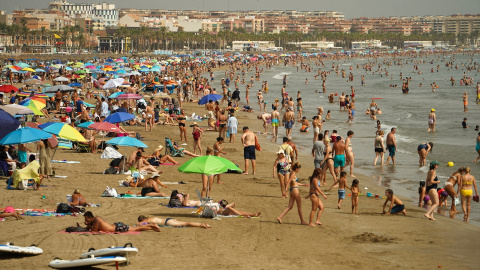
(65, 161)
(45, 214)
(175, 183)
(134, 196)
(98, 233)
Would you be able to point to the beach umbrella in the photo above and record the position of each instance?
(85, 125)
(119, 117)
(205, 99)
(35, 104)
(61, 79)
(39, 70)
(28, 69)
(80, 71)
(208, 165)
(23, 65)
(8, 123)
(113, 83)
(62, 87)
(126, 141)
(162, 95)
(116, 94)
(8, 88)
(33, 82)
(62, 130)
(75, 84)
(24, 135)
(105, 126)
(14, 109)
(27, 94)
(129, 96)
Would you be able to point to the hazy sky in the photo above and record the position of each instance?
(351, 8)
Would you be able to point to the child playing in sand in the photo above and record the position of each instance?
(342, 184)
(398, 208)
(355, 193)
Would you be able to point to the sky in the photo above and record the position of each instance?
(350, 8)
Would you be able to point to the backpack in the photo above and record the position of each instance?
(63, 208)
(174, 200)
(111, 170)
(78, 228)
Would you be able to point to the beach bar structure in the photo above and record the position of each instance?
(252, 45)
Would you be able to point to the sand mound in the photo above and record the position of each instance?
(373, 238)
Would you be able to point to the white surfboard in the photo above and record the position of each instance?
(10, 248)
(57, 263)
(127, 250)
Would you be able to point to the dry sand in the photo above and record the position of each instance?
(344, 241)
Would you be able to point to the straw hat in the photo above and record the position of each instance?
(194, 124)
(154, 175)
(159, 147)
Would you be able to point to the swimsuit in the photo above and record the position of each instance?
(466, 192)
(339, 161)
(275, 122)
(282, 168)
(288, 124)
(430, 121)
(181, 124)
(292, 188)
(147, 190)
(432, 186)
(121, 227)
(391, 149)
(166, 220)
(249, 152)
(422, 146)
(397, 208)
(341, 194)
(477, 148)
(316, 130)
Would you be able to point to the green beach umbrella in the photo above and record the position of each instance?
(208, 165)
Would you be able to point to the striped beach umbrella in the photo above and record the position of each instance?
(63, 131)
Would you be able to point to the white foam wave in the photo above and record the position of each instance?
(279, 76)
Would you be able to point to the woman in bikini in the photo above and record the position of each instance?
(150, 187)
(162, 158)
(423, 150)
(449, 187)
(349, 152)
(327, 162)
(222, 124)
(181, 125)
(379, 147)
(431, 188)
(294, 194)
(466, 183)
(280, 167)
(313, 195)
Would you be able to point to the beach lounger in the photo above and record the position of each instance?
(81, 147)
(171, 151)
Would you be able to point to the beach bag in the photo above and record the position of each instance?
(23, 184)
(475, 198)
(110, 192)
(174, 200)
(257, 145)
(111, 170)
(63, 208)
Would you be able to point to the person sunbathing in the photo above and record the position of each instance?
(10, 212)
(96, 224)
(179, 199)
(143, 220)
(162, 158)
(141, 164)
(150, 187)
(184, 151)
(229, 210)
(78, 199)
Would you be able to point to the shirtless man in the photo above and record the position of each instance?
(265, 117)
(291, 105)
(288, 120)
(339, 158)
(248, 141)
(85, 115)
(305, 124)
(341, 100)
(478, 92)
(465, 102)
(149, 119)
(275, 116)
(58, 99)
(391, 146)
(210, 107)
(96, 224)
(143, 220)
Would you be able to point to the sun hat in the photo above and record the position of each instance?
(159, 147)
(280, 152)
(433, 110)
(194, 124)
(434, 163)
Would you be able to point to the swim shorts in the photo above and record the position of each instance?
(275, 122)
(289, 124)
(210, 115)
(249, 152)
(339, 161)
(341, 194)
(391, 149)
(121, 227)
(397, 208)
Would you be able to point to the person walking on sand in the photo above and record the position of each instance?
(275, 123)
(339, 155)
(431, 188)
(391, 146)
(349, 152)
(432, 120)
(292, 182)
(181, 125)
(248, 141)
(477, 148)
(313, 195)
(399, 206)
(466, 183)
(342, 184)
(379, 148)
(232, 125)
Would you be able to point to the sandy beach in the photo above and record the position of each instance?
(369, 240)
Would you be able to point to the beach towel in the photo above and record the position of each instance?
(100, 233)
(110, 153)
(134, 196)
(65, 161)
(27, 173)
(175, 183)
(45, 214)
(169, 206)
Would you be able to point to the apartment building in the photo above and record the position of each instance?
(464, 24)
(105, 11)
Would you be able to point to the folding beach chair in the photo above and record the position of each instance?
(64, 143)
(171, 151)
(82, 147)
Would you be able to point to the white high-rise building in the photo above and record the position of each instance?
(107, 12)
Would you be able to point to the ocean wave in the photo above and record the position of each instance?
(279, 76)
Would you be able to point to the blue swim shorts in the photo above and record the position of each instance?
(338, 161)
(341, 194)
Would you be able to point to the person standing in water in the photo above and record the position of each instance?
(431, 188)
(477, 148)
(432, 120)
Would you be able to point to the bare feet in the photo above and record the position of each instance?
(219, 182)
(205, 225)
(351, 175)
(258, 214)
(338, 206)
(279, 220)
(303, 223)
(245, 173)
(312, 225)
(318, 223)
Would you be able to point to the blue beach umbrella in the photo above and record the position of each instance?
(24, 135)
(116, 94)
(205, 99)
(119, 117)
(127, 141)
(8, 123)
(85, 125)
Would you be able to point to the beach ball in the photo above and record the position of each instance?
(450, 164)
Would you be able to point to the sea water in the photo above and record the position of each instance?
(407, 112)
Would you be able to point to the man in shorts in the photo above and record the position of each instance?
(248, 141)
(96, 224)
(339, 158)
(391, 146)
